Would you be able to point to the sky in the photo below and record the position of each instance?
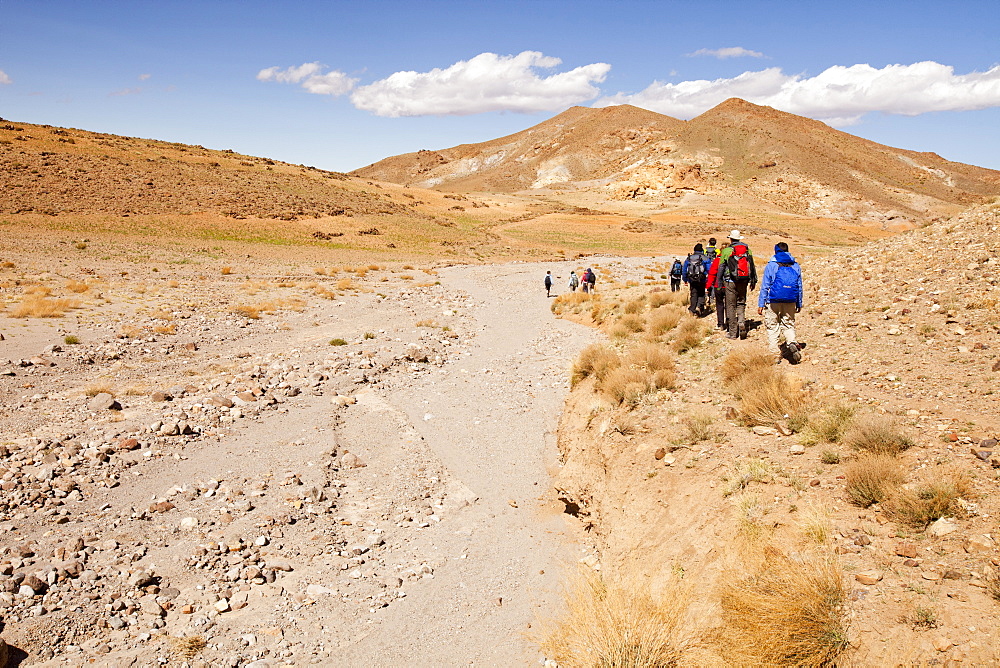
(339, 85)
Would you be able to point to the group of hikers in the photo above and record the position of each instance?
(725, 275)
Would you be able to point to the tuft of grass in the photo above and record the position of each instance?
(338, 342)
(616, 622)
(790, 612)
(71, 339)
(932, 498)
(98, 388)
(689, 334)
(345, 284)
(830, 457)
(871, 478)
(751, 525)
(766, 395)
(698, 427)
(426, 323)
(369, 335)
(748, 470)
(815, 524)
(828, 425)
(595, 360)
(77, 286)
(744, 360)
(626, 384)
(631, 322)
(663, 320)
(877, 434)
(41, 306)
(188, 647)
(227, 270)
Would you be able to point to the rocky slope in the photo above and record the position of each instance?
(736, 151)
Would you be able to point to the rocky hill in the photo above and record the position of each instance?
(755, 155)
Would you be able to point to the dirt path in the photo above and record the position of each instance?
(489, 418)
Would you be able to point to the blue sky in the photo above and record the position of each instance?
(339, 85)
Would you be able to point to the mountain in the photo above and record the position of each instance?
(737, 152)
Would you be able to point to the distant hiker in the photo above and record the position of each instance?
(548, 284)
(718, 290)
(738, 275)
(574, 281)
(780, 299)
(585, 280)
(591, 279)
(710, 250)
(676, 272)
(695, 274)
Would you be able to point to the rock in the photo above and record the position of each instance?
(942, 644)
(988, 443)
(862, 540)
(761, 430)
(932, 576)
(160, 396)
(161, 507)
(342, 400)
(150, 607)
(36, 585)
(103, 402)
(911, 563)
(996, 365)
(319, 590)
(797, 449)
(350, 460)
(868, 577)
(279, 565)
(782, 428)
(127, 444)
(660, 454)
(4, 653)
(731, 413)
(222, 605)
(189, 523)
(942, 527)
(981, 544)
(906, 550)
(42, 361)
(220, 401)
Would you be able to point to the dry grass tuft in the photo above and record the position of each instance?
(872, 478)
(226, 271)
(748, 470)
(698, 427)
(767, 395)
(877, 434)
(662, 320)
(932, 498)
(743, 360)
(41, 306)
(626, 384)
(815, 524)
(635, 306)
(98, 388)
(188, 647)
(616, 623)
(595, 360)
(790, 612)
(690, 334)
(631, 322)
(828, 425)
(78, 287)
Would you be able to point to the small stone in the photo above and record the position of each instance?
(103, 402)
(319, 590)
(868, 577)
(660, 454)
(911, 563)
(981, 544)
(160, 396)
(127, 444)
(906, 550)
(161, 507)
(351, 461)
(942, 527)
(189, 523)
(933, 576)
(862, 540)
(222, 605)
(42, 361)
(797, 449)
(942, 644)
(996, 365)
(761, 430)
(279, 565)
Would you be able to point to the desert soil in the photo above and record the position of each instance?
(383, 502)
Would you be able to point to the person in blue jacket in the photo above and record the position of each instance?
(780, 299)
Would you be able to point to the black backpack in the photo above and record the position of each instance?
(696, 268)
(677, 269)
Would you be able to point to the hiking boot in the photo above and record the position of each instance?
(743, 331)
(794, 352)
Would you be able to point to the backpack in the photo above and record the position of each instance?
(574, 281)
(785, 286)
(696, 268)
(676, 270)
(738, 264)
(711, 252)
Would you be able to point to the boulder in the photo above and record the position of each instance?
(104, 402)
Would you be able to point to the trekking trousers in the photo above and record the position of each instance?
(675, 284)
(720, 307)
(697, 305)
(779, 319)
(736, 306)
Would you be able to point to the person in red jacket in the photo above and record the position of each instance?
(715, 281)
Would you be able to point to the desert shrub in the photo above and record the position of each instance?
(878, 434)
(766, 395)
(226, 271)
(616, 622)
(698, 427)
(188, 647)
(830, 457)
(596, 360)
(94, 389)
(635, 306)
(746, 471)
(77, 286)
(345, 284)
(247, 311)
(743, 360)
(651, 357)
(790, 612)
(814, 523)
(828, 425)
(932, 498)
(626, 384)
(570, 301)
(427, 323)
(338, 342)
(871, 478)
(659, 298)
(632, 322)
(41, 306)
(752, 513)
(71, 339)
(689, 334)
(663, 320)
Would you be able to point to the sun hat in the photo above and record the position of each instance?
(735, 235)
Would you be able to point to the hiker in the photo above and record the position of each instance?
(711, 252)
(574, 281)
(738, 276)
(591, 279)
(548, 284)
(780, 299)
(676, 272)
(585, 280)
(718, 290)
(695, 273)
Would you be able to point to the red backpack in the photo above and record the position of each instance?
(738, 264)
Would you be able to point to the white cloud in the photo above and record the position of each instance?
(309, 76)
(125, 91)
(143, 77)
(4, 79)
(487, 82)
(839, 95)
(727, 52)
